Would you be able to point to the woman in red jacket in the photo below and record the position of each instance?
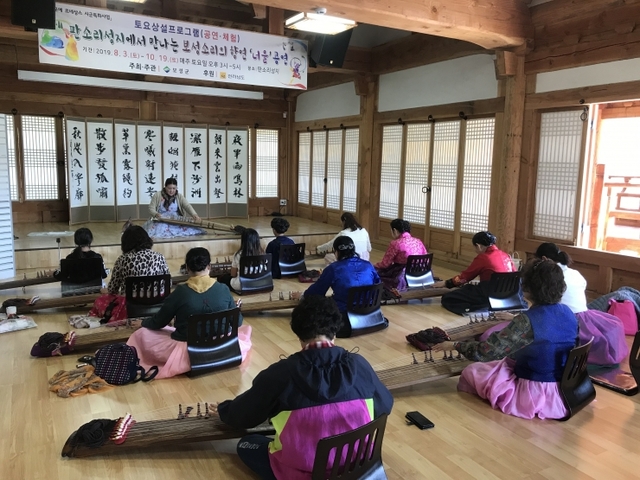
(490, 259)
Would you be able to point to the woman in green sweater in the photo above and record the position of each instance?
(166, 347)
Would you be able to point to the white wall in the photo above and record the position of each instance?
(329, 102)
(7, 259)
(600, 74)
(458, 80)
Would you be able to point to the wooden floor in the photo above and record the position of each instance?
(470, 440)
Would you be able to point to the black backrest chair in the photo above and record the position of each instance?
(418, 271)
(212, 341)
(362, 459)
(146, 294)
(363, 309)
(634, 361)
(576, 388)
(291, 259)
(83, 276)
(255, 274)
(505, 292)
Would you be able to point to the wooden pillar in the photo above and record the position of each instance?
(508, 165)
(290, 190)
(148, 108)
(367, 89)
(276, 21)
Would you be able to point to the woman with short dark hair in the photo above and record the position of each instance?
(279, 226)
(166, 347)
(137, 259)
(391, 267)
(318, 392)
(170, 204)
(518, 369)
(348, 271)
(490, 260)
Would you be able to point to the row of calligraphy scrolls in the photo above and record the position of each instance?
(117, 163)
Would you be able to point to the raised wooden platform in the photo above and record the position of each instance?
(41, 252)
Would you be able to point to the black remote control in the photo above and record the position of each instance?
(419, 420)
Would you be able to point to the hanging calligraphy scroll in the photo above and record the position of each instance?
(237, 173)
(173, 154)
(150, 178)
(196, 168)
(217, 172)
(77, 165)
(126, 170)
(101, 169)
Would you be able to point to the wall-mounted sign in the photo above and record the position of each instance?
(87, 37)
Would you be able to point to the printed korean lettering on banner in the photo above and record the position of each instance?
(196, 165)
(217, 165)
(100, 160)
(150, 178)
(77, 162)
(87, 37)
(126, 164)
(173, 154)
(237, 166)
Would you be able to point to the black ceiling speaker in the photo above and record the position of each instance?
(330, 50)
(33, 14)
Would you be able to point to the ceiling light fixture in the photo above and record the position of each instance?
(318, 22)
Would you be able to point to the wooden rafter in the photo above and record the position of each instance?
(488, 23)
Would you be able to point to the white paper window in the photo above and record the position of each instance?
(318, 166)
(416, 173)
(334, 169)
(476, 179)
(559, 160)
(304, 166)
(350, 174)
(390, 172)
(11, 152)
(7, 259)
(266, 163)
(39, 156)
(445, 173)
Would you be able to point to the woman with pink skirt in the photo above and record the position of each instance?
(518, 369)
(166, 347)
(609, 346)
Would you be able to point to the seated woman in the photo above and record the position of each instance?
(391, 267)
(137, 259)
(166, 347)
(350, 228)
(279, 226)
(348, 271)
(83, 238)
(489, 260)
(518, 369)
(169, 204)
(315, 393)
(609, 345)
(249, 246)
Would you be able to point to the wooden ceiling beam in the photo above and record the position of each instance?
(488, 23)
(418, 50)
(259, 11)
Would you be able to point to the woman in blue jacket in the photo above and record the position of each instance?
(348, 271)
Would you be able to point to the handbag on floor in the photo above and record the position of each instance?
(118, 364)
